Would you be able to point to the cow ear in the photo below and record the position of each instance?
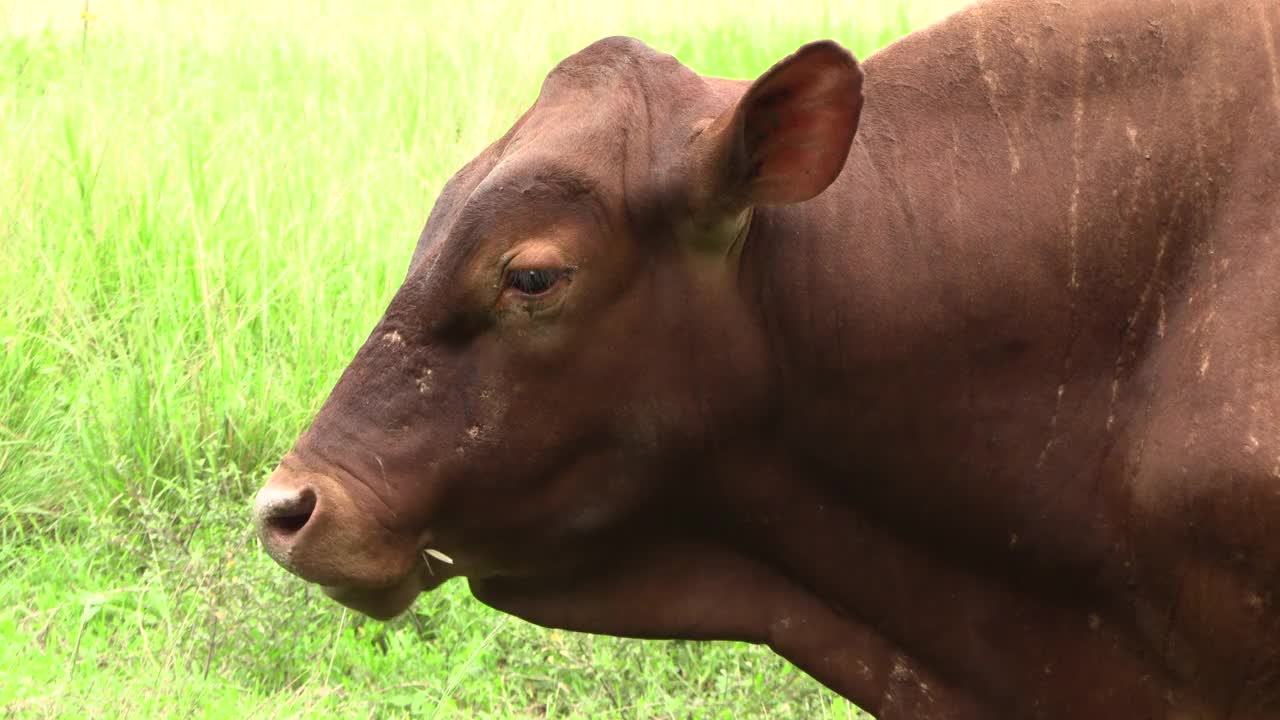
(788, 136)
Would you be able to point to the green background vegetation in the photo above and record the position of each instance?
(204, 208)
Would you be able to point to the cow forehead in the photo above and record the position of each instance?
(605, 64)
(619, 86)
(601, 125)
(538, 184)
(537, 200)
(546, 173)
(528, 198)
(553, 167)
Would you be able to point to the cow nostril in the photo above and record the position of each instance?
(285, 515)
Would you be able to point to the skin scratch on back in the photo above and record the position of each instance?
(1073, 235)
(992, 86)
(957, 194)
(1077, 131)
(1273, 58)
(1128, 345)
(1053, 425)
(1202, 180)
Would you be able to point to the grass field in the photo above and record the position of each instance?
(204, 207)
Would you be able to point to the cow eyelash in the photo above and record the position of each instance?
(534, 282)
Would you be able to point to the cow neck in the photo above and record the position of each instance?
(928, 315)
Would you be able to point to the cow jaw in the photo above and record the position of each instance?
(387, 602)
(694, 589)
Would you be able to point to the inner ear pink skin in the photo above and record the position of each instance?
(796, 123)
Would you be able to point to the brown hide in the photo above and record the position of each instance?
(973, 413)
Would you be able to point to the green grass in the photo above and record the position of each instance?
(204, 207)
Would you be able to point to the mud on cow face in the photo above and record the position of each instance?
(572, 343)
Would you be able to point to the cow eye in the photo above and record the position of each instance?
(533, 282)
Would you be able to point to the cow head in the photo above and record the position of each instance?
(572, 347)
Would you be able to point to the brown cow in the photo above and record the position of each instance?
(975, 414)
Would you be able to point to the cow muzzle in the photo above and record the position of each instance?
(326, 532)
(282, 511)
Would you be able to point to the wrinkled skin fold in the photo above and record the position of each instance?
(951, 375)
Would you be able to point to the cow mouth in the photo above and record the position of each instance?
(386, 602)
